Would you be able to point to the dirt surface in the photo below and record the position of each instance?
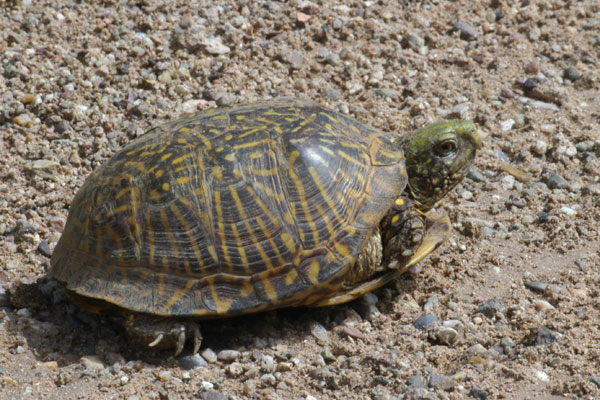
(508, 308)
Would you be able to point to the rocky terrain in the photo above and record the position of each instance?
(507, 309)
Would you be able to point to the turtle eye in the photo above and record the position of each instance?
(446, 148)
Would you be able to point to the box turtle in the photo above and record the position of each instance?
(255, 207)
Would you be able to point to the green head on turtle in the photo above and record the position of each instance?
(438, 156)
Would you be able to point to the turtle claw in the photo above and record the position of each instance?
(197, 338)
(156, 341)
(180, 341)
(163, 333)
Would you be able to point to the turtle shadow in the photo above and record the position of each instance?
(55, 329)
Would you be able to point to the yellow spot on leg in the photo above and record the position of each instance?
(166, 187)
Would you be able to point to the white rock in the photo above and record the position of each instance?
(568, 210)
(215, 46)
(507, 125)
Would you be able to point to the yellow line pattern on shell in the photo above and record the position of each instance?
(172, 241)
(222, 305)
(250, 229)
(270, 290)
(250, 144)
(291, 276)
(288, 241)
(330, 203)
(313, 271)
(178, 294)
(183, 180)
(220, 226)
(246, 289)
(122, 192)
(182, 158)
(188, 229)
(263, 172)
(342, 249)
(165, 157)
(151, 244)
(303, 202)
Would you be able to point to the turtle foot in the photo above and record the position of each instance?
(162, 333)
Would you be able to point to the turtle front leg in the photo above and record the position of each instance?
(162, 333)
(403, 230)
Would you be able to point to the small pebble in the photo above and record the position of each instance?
(542, 305)
(23, 120)
(164, 376)
(319, 332)
(539, 336)
(568, 211)
(350, 331)
(572, 74)
(228, 355)
(52, 365)
(432, 302)
(490, 308)
(267, 363)
(467, 32)
(386, 93)
(93, 363)
(539, 287)
(475, 175)
(208, 394)
(595, 381)
(209, 355)
(539, 147)
(425, 322)
(268, 379)
(479, 394)
(446, 335)
(475, 350)
(44, 248)
(507, 125)
(235, 369)
(416, 382)
(555, 181)
(486, 231)
(507, 182)
(192, 362)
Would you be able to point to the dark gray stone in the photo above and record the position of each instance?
(192, 362)
(572, 74)
(539, 287)
(555, 181)
(478, 394)
(211, 395)
(467, 32)
(416, 382)
(425, 322)
(539, 336)
(490, 308)
(44, 248)
(475, 175)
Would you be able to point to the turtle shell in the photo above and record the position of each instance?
(230, 211)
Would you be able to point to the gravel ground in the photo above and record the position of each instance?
(507, 309)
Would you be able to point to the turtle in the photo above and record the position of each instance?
(259, 206)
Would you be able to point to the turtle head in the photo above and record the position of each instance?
(438, 156)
